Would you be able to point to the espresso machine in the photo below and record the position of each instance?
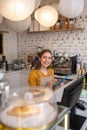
(65, 65)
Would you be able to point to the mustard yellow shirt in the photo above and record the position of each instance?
(34, 77)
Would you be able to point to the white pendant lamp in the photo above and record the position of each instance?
(37, 3)
(18, 26)
(1, 19)
(47, 16)
(17, 10)
(36, 14)
(71, 8)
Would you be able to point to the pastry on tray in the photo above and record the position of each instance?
(24, 111)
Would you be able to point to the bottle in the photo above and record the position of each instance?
(78, 66)
(84, 83)
(4, 66)
(4, 63)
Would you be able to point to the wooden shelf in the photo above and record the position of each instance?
(57, 30)
(3, 31)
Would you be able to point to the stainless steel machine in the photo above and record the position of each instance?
(65, 65)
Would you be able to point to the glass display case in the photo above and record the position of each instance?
(32, 109)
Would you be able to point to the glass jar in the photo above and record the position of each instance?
(29, 109)
(70, 25)
(57, 26)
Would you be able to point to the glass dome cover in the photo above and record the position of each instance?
(29, 108)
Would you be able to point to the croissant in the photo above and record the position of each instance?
(24, 111)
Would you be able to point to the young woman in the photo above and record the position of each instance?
(43, 75)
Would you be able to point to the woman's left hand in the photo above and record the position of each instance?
(52, 82)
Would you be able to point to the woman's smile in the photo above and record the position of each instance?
(46, 59)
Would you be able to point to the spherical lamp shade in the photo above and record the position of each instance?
(47, 16)
(1, 19)
(37, 3)
(18, 26)
(71, 8)
(16, 10)
(36, 14)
